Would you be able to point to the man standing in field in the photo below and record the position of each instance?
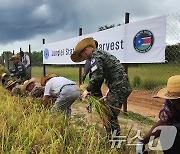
(64, 89)
(26, 61)
(108, 67)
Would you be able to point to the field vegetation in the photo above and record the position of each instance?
(141, 76)
(28, 127)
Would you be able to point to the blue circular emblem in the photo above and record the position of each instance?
(143, 41)
(46, 53)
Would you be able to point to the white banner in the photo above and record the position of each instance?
(138, 42)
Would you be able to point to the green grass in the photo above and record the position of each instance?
(152, 75)
(137, 117)
(68, 72)
(149, 75)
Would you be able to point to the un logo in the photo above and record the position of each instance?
(46, 53)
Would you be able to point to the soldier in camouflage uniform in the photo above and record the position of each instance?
(97, 91)
(5, 78)
(16, 91)
(35, 90)
(14, 87)
(108, 67)
(19, 69)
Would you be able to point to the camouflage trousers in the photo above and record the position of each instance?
(113, 104)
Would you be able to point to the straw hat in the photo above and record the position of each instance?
(14, 57)
(26, 83)
(45, 78)
(80, 46)
(3, 75)
(10, 83)
(172, 90)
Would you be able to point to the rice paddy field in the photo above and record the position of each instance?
(27, 127)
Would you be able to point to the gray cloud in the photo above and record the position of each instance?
(25, 20)
(22, 20)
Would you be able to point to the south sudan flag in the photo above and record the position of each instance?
(143, 43)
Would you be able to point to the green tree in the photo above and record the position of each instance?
(172, 53)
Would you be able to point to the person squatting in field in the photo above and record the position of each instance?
(5, 78)
(108, 67)
(169, 115)
(64, 89)
(35, 90)
(19, 69)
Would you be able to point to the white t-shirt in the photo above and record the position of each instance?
(54, 85)
(26, 60)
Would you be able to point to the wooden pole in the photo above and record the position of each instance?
(20, 55)
(44, 66)
(8, 59)
(13, 52)
(30, 60)
(80, 66)
(3, 59)
(126, 65)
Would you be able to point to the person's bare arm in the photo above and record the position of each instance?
(45, 100)
(156, 133)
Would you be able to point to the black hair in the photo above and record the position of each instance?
(21, 53)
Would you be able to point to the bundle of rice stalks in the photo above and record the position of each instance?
(102, 108)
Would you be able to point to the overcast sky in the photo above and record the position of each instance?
(24, 22)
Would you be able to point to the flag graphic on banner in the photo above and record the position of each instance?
(143, 41)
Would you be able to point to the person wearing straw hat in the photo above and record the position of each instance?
(14, 87)
(19, 69)
(11, 84)
(64, 89)
(5, 78)
(105, 66)
(168, 115)
(97, 91)
(34, 90)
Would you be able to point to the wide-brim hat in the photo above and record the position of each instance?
(75, 57)
(45, 78)
(3, 75)
(10, 83)
(26, 83)
(172, 90)
(14, 57)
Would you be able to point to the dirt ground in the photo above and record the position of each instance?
(140, 102)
